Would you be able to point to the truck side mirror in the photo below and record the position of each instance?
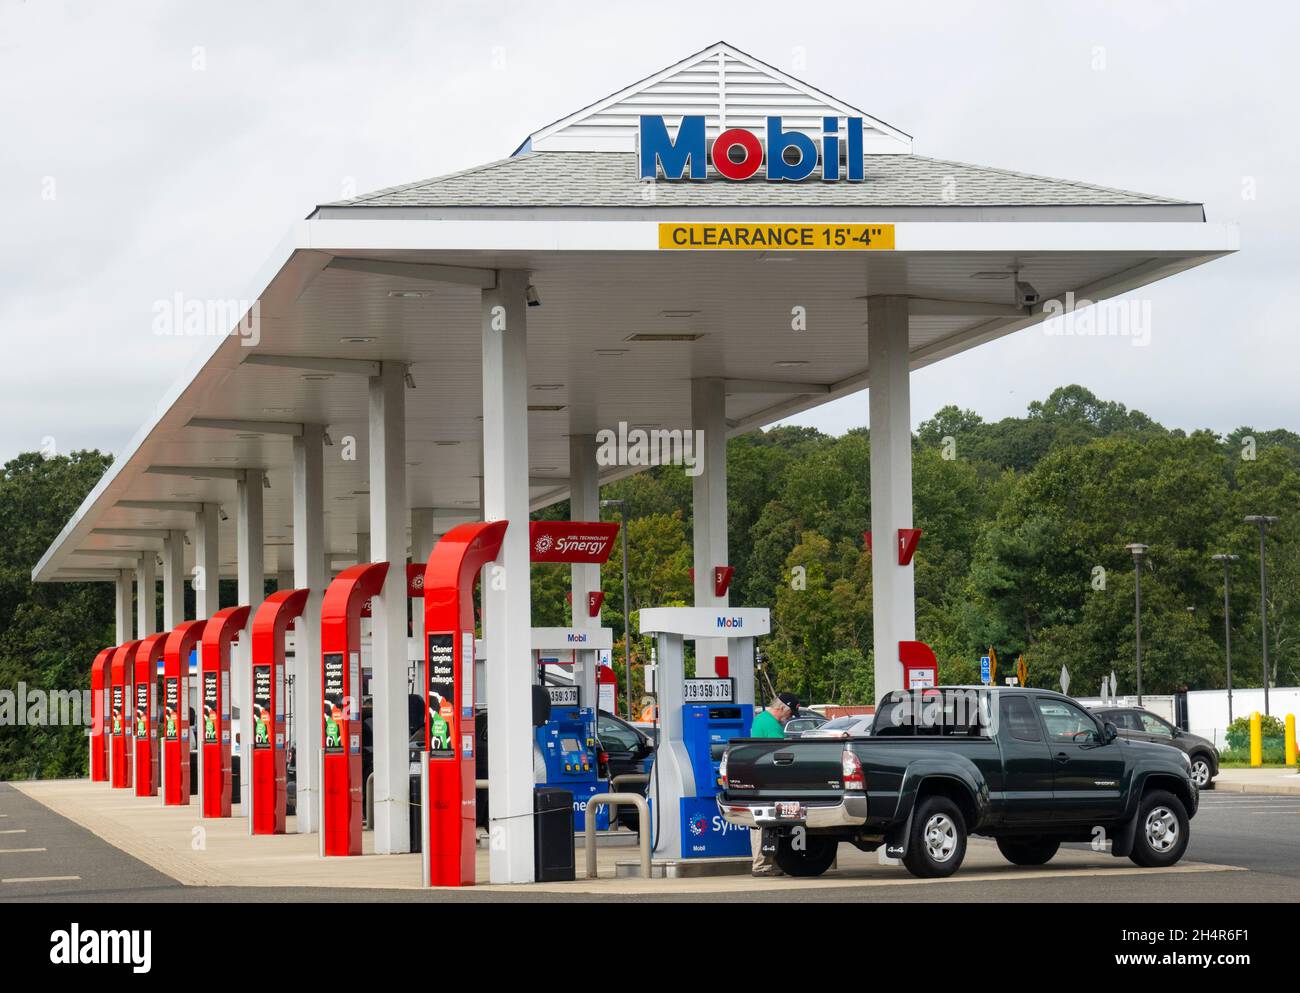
(1109, 732)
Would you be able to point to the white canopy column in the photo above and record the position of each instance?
(506, 586)
(252, 588)
(173, 579)
(207, 566)
(584, 505)
(388, 524)
(310, 572)
(146, 594)
(422, 541)
(893, 601)
(122, 604)
(709, 507)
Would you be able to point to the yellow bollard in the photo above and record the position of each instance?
(1290, 739)
(1256, 741)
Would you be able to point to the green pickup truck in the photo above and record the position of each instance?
(1029, 768)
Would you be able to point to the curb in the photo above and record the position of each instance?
(1260, 788)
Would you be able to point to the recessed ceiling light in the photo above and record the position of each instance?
(773, 257)
(413, 463)
(356, 340)
(789, 363)
(541, 468)
(677, 336)
(224, 458)
(446, 444)
(406, 294)
(992, 274)
(611, 353)
(678, 313)
(317, 377)
(545, 408)
(249, 437)
(277, 410)
(547, 387)
(361, 493)
(344, 496)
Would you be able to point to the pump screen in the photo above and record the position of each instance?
(570, 745)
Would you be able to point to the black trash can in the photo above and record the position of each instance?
(553, 835)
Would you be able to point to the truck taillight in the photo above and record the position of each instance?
(851, 770)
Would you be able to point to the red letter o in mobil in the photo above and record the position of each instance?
(747, 166)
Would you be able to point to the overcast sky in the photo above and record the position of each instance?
(156, 147)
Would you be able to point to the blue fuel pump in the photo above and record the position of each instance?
(698, 717)
(568, 746)
(706, 730)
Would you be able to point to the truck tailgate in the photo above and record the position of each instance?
(791, 770)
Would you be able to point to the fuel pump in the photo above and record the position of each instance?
(567, 741)
(449, 663)
(341, 704)
(145, 714)
(101, 678)
(176, 711)
(270, 779)
(214, 674)
(698, 717)
(123, 674)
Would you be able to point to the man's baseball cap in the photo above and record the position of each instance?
(789, 699)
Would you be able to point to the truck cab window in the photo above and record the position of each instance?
(1019, 720)
(1066, 722)
(1154, 725)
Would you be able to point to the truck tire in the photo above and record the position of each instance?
(1162, 830)
(1028, 851)
(814, 857)
(937, 843)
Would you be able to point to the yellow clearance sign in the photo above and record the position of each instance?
(784, 237)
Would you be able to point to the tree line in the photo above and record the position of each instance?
(1024, 520)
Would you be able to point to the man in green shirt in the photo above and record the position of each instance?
(770, 723)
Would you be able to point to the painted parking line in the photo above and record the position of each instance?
(14, 831)
(16, 851)
(40, 879)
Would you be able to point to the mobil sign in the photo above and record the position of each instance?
(738, 154)
(571, 541)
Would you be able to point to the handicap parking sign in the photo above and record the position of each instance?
(985, 674)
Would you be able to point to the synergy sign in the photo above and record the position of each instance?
(737, 154)
(572, 541)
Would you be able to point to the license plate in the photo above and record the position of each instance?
(789, 811)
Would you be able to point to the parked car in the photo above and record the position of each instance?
(843, 727)
(938, 768)
(627, 749)
(1139, 724)
(797, 727)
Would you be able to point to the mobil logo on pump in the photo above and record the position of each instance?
(738, 154)
(726, 621)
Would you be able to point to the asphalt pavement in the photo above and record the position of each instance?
(45, 857)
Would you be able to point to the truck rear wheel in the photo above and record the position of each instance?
(814, 856)
(1162, 830)
(937, 844)
(1028, 851)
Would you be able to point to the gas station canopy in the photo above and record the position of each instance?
(626, 319)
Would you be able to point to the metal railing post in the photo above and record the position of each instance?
(425, 867)
(612, 800)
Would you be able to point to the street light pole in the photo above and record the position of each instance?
(1227, 561)
(627, 618)
(1137, 551)
(1263, 520)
